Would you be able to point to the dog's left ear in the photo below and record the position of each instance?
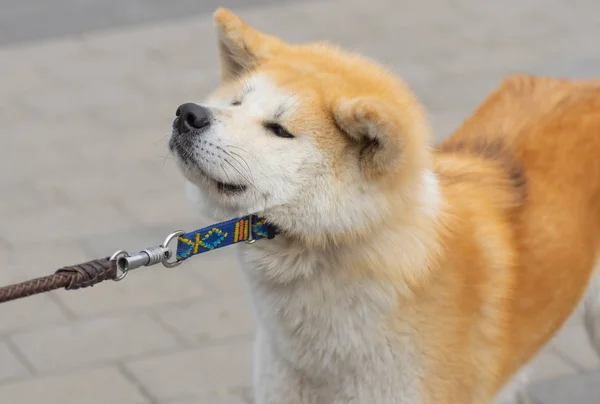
(241, 47)
(390, 138)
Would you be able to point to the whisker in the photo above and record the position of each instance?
(238, 171)
(231, 154)
(243, 176)
(247, 168)
(161, 138)
(226, 174)
(186, 151)
(245, 151)
(169, 153)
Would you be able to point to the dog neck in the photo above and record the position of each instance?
(405, 239)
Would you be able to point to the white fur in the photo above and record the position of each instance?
(322, 335)
(290, 180)
(238, 149)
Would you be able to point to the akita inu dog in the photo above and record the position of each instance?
(403, 273)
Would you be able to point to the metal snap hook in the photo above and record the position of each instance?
(165, 244)
(121, 270)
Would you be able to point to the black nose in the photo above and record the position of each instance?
(192, 116)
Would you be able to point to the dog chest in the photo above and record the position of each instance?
(325, 324)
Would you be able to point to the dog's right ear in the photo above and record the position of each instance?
(392, 139)
(241, 47)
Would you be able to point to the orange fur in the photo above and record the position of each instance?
(551, 128)
(486, 279)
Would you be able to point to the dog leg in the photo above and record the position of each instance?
(274, 382)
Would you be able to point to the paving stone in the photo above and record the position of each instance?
(86, 176)
(42, 54)
(215, 397)
(212, 319)
(142, 288)
(19, 81)
(133, 241)
(160, 208)
(576, 319)
(28, 313)
(108, 184)
(94, 341)
(94, 386)
(581, 389)
(10, 366)
(64, 222)
(38, 258)
(548, 365)
(578, 68)
(494, 23)
(510, 58)
(199, 371)
(461, 93)
(443, 124)
(84, 16)
(573, 343)
(220, 270)
(24, 198)
(66, 100)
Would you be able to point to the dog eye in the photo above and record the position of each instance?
(236, 103)
(277, 130)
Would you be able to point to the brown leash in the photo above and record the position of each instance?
(90, 273)
(71, 278)
(246, 229)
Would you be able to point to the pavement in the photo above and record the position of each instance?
(87, 94)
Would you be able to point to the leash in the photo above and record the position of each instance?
(246, 229)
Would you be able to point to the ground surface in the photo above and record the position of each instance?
(88, 90)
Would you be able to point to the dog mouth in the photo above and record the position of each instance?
(181, 146)
(229, 188)
(223, 187)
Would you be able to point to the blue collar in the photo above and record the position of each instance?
(247, 228)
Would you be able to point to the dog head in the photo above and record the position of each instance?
(320, 142)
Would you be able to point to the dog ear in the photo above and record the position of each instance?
(241, 47)
(390, 139)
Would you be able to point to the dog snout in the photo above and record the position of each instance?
(191, 116)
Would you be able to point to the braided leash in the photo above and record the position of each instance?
(71, 278)
(246, 229)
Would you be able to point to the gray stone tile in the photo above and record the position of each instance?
(214, 319)
(548, 365)
(33, 312)
(214, 397)
(94, 386)
(65, 222)
(220, 270)
(581, 68)
(31, 258)
(90, 342)
(460, 93)
(573, 344)
(47, 20)
(200, 371)
(143, 288)
(86, 176)
(581, 389)
(10, 366)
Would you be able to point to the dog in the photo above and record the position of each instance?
(403, 273)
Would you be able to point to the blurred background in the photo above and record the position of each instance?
(88, 90)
